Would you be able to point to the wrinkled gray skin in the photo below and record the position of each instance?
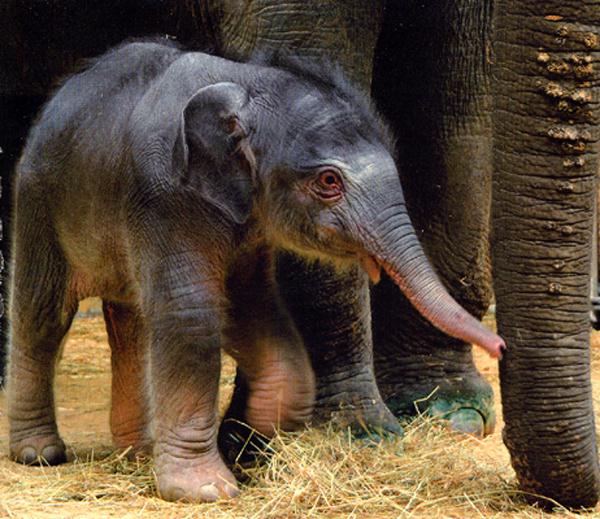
(432, 81)
(432, 84)
(427, 65)
(159, 181)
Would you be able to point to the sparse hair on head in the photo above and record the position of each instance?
(326, 74)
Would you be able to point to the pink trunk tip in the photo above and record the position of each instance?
(433, 302)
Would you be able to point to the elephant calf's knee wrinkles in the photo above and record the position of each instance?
(30, 419)
(188, 443)
(32, 429)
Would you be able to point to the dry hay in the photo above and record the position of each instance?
(432, 472)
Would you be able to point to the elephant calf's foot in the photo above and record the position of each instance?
(42, 450)
(242, 446)
(138, 447)
(202, 480)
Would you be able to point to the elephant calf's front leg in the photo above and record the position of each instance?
(185, 369)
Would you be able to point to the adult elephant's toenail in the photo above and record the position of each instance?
(468, 421)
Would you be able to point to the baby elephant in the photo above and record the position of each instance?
(160, 180)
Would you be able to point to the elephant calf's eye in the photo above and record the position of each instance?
(327, 185)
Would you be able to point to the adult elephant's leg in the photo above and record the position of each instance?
(344, 31)
(331, 310)
(546, 131)
(332, 315)
(430, 80)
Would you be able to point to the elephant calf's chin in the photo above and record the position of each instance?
(371, 266)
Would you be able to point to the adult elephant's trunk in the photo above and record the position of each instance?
(546, 123)
(394, 246)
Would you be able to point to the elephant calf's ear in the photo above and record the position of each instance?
(212, 152)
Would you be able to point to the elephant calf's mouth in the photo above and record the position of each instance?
(371, 266)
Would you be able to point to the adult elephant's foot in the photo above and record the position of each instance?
(332, 313)
(42, 450)
(200, 480)
(346, 405)
(434, 376)
(420, 370)
(357, 404)
(474, 416)
(466, 402)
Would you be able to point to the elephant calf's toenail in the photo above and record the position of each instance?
(54, 454)
(28, 455)
(209, 493)
(232, 491)
(175, 494)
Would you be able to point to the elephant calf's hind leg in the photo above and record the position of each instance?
(39, 321)
(275, 386)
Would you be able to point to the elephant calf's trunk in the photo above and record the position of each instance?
(427, 294)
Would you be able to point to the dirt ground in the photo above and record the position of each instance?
(432, 472)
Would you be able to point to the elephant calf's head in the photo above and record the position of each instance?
(304, 150)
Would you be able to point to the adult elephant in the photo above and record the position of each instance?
(427, 67)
